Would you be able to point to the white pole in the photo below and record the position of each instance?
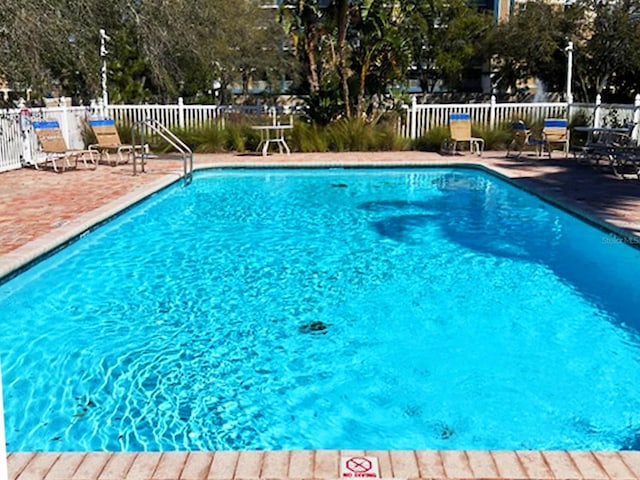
(636, 118)
(4, 475)
(569, 72)
(413, 127)
(103, 55)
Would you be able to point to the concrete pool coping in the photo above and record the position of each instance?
(595, 196)
(324, 464)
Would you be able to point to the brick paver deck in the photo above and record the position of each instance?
(41, 209)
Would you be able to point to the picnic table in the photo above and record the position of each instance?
(272, 134)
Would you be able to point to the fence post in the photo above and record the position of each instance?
(636, 117)
(101, 109)
(413, 124)
(181, 112)
(492, 113)
(597, 114)
(26, 130)
(93, 106)
(64, 119)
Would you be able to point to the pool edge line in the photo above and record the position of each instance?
(42, 247)
(37, 250)
(627, 237)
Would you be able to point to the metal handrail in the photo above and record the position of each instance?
(167, 135)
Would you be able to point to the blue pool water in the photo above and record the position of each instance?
(288, 309)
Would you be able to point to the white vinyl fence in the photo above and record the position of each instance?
(18, 144)
(183, 116)
(420, 118)
(10, 141)
(423, 117)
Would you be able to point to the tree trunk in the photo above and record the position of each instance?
(312, 73)
(362, 84)
(342, 7)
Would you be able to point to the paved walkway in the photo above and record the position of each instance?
(325, 464)
(42, 209)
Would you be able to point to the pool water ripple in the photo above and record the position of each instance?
(368, 309)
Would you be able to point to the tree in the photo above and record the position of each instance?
(531, 45)
(302, 21)
(159, 48)
(445, 35)
(43, 44)
(608, 61)
(606, 35)
(379, 48)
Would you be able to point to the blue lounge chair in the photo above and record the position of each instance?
(460, 133)
(522, 139)
(108, 142)
(55, 149)
(555, 131)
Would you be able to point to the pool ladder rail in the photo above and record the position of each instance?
(167, 135)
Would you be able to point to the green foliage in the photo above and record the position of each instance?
(531, 44)
(204, 139)
(496, 139)
(129, 75)
(349, 134)
(579, 119)
(606, 37)
(157, 49)
(431, 140)
(340, 136)
(325, 105)
(357, 135)
(307, 137)
(444, 36)
(88, 137)
(237, 136)
(608, 55)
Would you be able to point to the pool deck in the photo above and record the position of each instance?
(40, 210)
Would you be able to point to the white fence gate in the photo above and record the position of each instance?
(10, 142)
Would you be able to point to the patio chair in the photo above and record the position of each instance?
(602, 145)
(522, 139)
(460, 132)
(55, 148)
(555, 131)
(109, 142)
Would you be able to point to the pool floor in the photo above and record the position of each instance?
(71, 208)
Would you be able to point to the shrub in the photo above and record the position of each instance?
(358, 135)
(338, 136)
(496, 139)
(307, 137)
(431, 140)
(345, 135)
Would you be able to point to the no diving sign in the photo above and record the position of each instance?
(359, 467)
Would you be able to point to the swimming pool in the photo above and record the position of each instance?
(373, 309)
